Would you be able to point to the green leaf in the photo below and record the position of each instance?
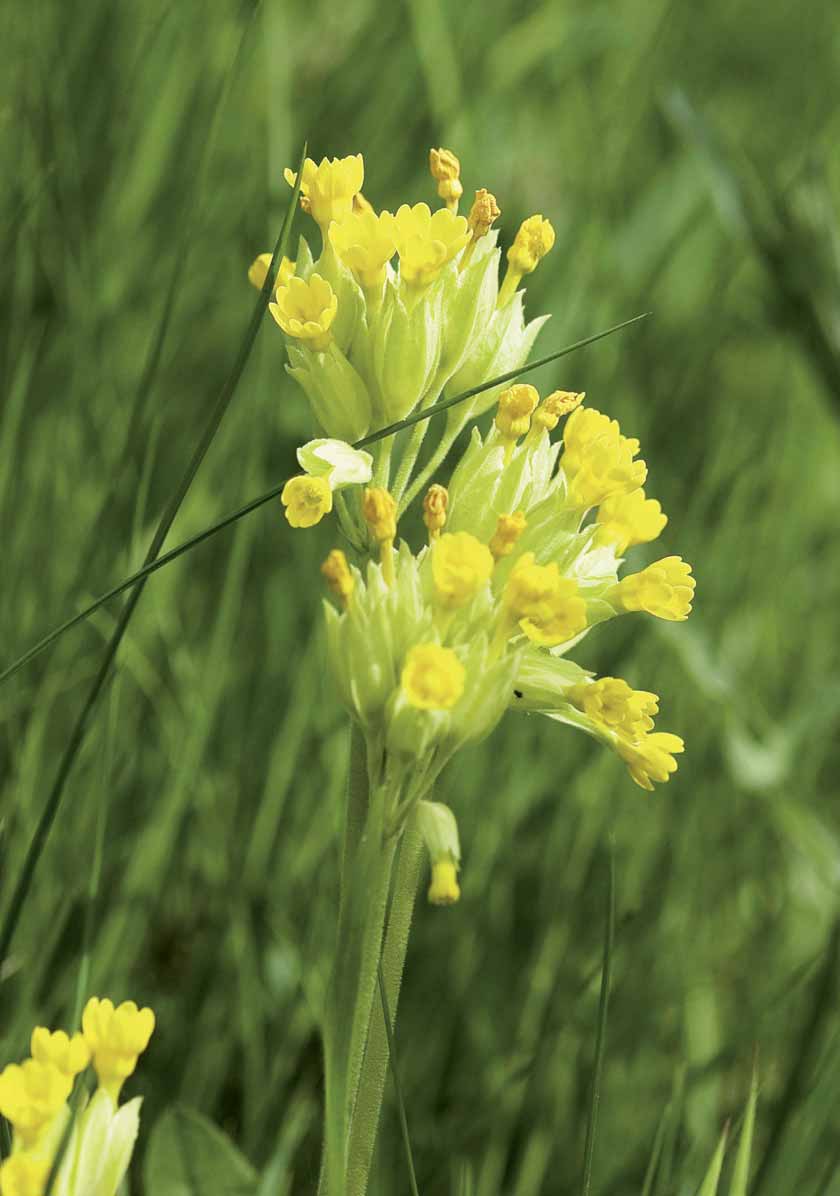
(190, 1156)
(741, 1174)
(711, 1180)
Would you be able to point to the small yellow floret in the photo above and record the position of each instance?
(444, 888)
(426, 241)
(434, 509)
(629, 519)
(597, 460)
(620, 709)
(483, 213)
(530, 245)
(365, 243)
(461, 565)
(22, 1175)
(665, 589)
(307, 500)
(306, 310)
(380, 512)
(516, 406)
(508, 530)
(116, 1037)
(339, 576)
(446, 171)
(329, 188)
(31, 1094)
(69, 1055)
(548, 608)
(557, 404)
(258, 271)
(432, 677)
(650, 758)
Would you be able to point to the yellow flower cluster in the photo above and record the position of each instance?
(598, 462)
(624, 717)
(34, 1094)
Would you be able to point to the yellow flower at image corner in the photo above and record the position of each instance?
(461, 565)
(21, 1175)
(516, 406)
(306, 310)
(306, 500)
(258, 271)
(613, 704)
(69, 1055)
(426, 241)
(626, 520)
(664, 589)
(597, 461)
(651, 757)
(31, 1093)
(365, 242)
(432, 677)
(329, 187)
(548, 608)
(116, 1037)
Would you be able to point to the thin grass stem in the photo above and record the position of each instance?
(601, 1039)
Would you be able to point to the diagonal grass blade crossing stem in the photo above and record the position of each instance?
(77, 736)
(167, 557)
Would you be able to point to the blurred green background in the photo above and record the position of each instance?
(687, 158)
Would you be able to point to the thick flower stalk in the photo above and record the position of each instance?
(35, 1099)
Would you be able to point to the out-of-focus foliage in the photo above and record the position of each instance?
(687, 158)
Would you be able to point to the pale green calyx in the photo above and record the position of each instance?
(337, 461)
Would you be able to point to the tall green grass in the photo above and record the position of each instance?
(142, 152)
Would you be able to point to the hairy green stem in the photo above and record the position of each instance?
(409, 459)
(448, 438)
(365, 1119)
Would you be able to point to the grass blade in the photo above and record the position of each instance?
(42, 830)
(741, 1173)
(397, 1089)
(711, 1179)
(600, 1041)
(151, 566)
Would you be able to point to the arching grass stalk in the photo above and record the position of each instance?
(274, 492)
(48, 815)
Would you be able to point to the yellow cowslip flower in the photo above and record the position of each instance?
(513, 418)
(432, 677)
(444, 888)
(629, 519)
(548, 608)
(365, 243)
(461, 565)
(557, 404)
(611, 702)
(307, 500)
(329, 188)
(380, 514)
(338, 576)
(426, 241)
(258, 271)
(597, 460)
(69, 1055)
(483, 213)
(446, 171)
(116, 1037)
(22, 1175)
(31, 1094)
(306, 310)
(665, 589)
(651, 757)
(435, 503)
(508, 530)
(530, 245)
